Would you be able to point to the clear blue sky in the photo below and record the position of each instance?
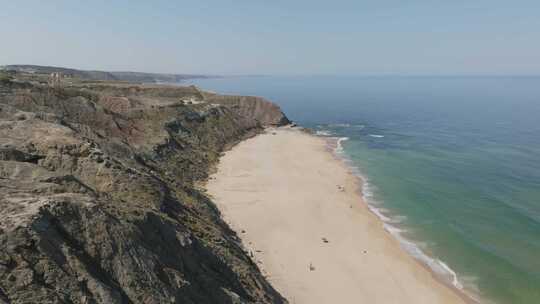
(276, 37)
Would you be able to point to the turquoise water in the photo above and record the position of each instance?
(452, 162)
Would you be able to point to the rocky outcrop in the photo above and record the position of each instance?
(99, 200)
(258, 108)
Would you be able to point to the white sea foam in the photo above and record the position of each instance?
(342, 125)
(339, 146)
(376, 135)
(378, 212)
(323, 133)
(441, 269)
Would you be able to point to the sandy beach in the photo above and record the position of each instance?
(299, 210)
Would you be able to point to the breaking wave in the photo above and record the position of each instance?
(323, 133)
(339, 146)
(438, 267)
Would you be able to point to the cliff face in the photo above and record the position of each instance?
(98, 196)
(258, 108)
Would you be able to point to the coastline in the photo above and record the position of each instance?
(335, 148)
(307, 225)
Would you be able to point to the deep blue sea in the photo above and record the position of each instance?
(452, 165)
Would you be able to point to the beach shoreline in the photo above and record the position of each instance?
(334, 147)
(285, 207)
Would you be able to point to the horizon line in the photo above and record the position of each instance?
(347, 74)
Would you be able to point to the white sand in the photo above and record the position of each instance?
(283, 191)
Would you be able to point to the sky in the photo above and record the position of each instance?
(278, 37)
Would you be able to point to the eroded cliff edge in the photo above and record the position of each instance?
(98, 195)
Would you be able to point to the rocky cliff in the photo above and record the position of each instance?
(258, 108)
(99, 200)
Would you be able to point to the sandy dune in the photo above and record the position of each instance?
(317, 243)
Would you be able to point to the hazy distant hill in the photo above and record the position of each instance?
(102, 75)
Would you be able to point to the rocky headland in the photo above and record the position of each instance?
(99, 195)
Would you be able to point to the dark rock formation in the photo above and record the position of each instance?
(99, 200)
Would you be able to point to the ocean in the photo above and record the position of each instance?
(450, 164)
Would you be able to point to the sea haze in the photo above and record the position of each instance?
(452, 164)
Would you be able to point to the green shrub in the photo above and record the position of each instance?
(5, 78)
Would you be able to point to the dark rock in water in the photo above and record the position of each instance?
(98, 202)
